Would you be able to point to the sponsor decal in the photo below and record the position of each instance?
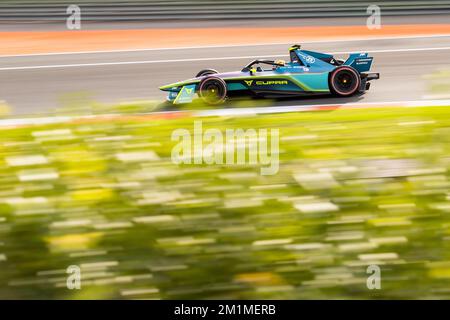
(310, 59)
(363, 61)
(186, 94)
(266, 82)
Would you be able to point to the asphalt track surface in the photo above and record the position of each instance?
(34, 84)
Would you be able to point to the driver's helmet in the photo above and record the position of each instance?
(280, 62)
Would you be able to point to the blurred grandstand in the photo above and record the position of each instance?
(145, 10)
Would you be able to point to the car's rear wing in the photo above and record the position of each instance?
(360, 61)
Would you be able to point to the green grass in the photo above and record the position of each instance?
(386, 171)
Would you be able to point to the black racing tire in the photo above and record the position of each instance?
(344, 81)
(206, 72)
(213, 90)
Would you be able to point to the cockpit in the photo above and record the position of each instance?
(257, 65)
(272, 65)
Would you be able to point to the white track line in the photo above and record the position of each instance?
(227, 111)
(200, 59)
(225, 46)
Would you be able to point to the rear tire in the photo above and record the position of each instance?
(206, 72)
(344, 81)
(213, 90)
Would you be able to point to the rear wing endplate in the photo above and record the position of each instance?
(360, 61)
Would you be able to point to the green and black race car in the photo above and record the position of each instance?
(307, 73)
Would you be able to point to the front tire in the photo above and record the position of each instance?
(206, 72)
(344, 81)
(213, 90)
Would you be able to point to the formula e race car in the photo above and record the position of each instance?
(307, 73)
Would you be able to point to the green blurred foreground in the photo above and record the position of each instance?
(355, 187)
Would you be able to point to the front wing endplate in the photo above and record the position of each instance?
(186, 94)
